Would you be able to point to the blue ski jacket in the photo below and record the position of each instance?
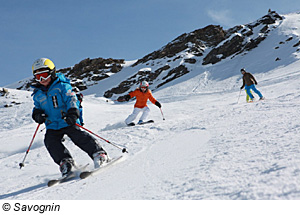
(55, 101)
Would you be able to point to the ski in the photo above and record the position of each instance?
(71, 175)
(259, 100)
(61, 179)
(86, 174)
(149, 121)
(141, 123)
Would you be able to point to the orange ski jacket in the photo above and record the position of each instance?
(142, 98)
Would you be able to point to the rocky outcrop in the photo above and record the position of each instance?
(240, 40)
(194, 42)
(89, 71)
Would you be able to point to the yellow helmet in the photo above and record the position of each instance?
(43, 63)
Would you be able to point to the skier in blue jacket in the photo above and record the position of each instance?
(56, 105)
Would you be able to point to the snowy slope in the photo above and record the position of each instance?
(212, 144)
(209, 147)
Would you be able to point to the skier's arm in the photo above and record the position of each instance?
(153, 100)
(253, 79)
(243, 83)
(38, 115)
(69, 97)
(133, 93)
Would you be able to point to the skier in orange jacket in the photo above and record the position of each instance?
(142, 94)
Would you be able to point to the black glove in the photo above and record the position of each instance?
(158, 104)
(39, 116)
(72, 116)
(79, 97)
(242, 88)
(127, 97)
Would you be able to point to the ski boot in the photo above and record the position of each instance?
(65, 166)
(100, 158)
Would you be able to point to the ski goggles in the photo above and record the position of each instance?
(43, 75)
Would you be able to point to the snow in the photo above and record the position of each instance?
(212, 145)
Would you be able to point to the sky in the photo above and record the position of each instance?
(68, 31)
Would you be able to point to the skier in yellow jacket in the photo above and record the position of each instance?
(142, 94)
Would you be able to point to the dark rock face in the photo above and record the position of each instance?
(173, 74)
(238, 39)
(92, 70)
(195, 42)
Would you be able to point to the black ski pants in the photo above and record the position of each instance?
(53, 142)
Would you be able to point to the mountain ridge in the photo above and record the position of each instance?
(200, 48)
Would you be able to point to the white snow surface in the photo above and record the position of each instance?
(212, 145)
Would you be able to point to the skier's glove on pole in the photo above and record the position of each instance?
(158, 104)
(127, 97)
(71, 116)
(39, 116)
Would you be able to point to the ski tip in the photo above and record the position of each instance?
(52, 183)
(149, 121)
(84, 175)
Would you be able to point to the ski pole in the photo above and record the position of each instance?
(42, 129)
(162, 114)
(239, 96)
(22, 164)
(115, 145)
